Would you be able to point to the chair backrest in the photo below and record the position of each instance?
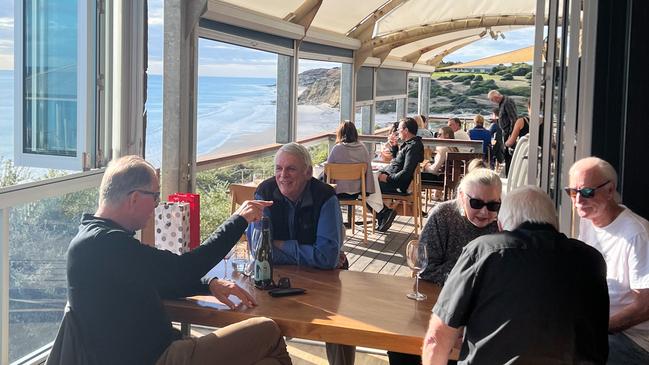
(346, 171)
(518, 172)
(456, 166)
(239, 194)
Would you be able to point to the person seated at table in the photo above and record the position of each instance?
(422, 129)
(452, 225)
(435, 171)
(349, 150)
(528, 295)
(116, 284)
(306, 224)
(479, 133)
(396, 177)
(393, 139)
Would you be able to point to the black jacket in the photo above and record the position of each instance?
(402, 167)
(116, 286)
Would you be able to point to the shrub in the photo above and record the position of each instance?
(452, 77)
(478, 78)
(502, 72)
(506, 77)
(443, 78)
(528, 76)
(466, 82)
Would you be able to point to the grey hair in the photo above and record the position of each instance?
(122, 176)
(606, 169)
(527, 204)
(493, 93)
(297, 150)
(480, 176)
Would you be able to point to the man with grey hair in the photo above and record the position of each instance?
(623, 238)
(529, 294)
(507, 116)
(116, 284)
(306, 222)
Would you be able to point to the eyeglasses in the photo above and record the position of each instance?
(493, 206)
(154, 194)
(584, 192)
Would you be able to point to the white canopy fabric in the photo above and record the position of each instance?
(414, 31)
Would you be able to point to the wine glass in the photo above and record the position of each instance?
(417, 259)
(226, 258)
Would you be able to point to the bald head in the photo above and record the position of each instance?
(595, 182)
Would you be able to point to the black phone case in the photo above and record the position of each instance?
(286, 292)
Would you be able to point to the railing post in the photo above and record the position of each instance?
(4, 285)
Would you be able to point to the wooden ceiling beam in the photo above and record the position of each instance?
(305, 14)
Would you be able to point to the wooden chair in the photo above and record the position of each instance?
(456, 165)
(239, 193)
(351, 171)
(412, 198)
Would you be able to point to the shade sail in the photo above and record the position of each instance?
(520, 55)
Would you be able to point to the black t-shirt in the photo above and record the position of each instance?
(116, 284)
(530, 296)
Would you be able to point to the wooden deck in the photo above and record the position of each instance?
(384, 253)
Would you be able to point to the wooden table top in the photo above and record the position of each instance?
(340, 306)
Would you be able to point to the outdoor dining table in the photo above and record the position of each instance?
(339, 306)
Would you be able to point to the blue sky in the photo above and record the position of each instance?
(220, 59)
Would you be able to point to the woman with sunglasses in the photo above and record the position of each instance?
(451, 226)
(455, 223)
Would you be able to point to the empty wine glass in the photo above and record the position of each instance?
(417, 259)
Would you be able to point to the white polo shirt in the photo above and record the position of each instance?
(624, 243)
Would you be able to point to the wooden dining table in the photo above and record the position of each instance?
(339, 306)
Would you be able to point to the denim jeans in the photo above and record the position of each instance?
(622, 350)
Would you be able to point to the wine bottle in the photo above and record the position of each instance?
(263, 262)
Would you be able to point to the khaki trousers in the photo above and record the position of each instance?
(256, 341)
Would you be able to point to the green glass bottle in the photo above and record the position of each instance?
(263, 261)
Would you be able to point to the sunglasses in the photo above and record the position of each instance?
(478, 204)
(584, 192)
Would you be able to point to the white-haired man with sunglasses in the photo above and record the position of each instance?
(623, 239)
(528, 295)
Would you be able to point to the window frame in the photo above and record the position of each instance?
(86, 88)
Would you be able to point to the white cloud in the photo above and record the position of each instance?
(486, 47)
(6, 62)
(155, 67)
(7, 43)
(237, 70)
(218, 46)
(6, 23)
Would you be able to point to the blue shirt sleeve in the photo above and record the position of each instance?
(323, 254)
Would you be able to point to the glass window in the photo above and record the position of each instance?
(50, 78)
(39, 235)
(413, 95)
(56, 83)
(318, 102)
(153, 147)
(386, 113)
(237, 98)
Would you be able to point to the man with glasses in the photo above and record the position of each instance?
(623, 239)
(116, 284)
(528, 295)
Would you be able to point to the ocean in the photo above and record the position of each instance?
(234, 113)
